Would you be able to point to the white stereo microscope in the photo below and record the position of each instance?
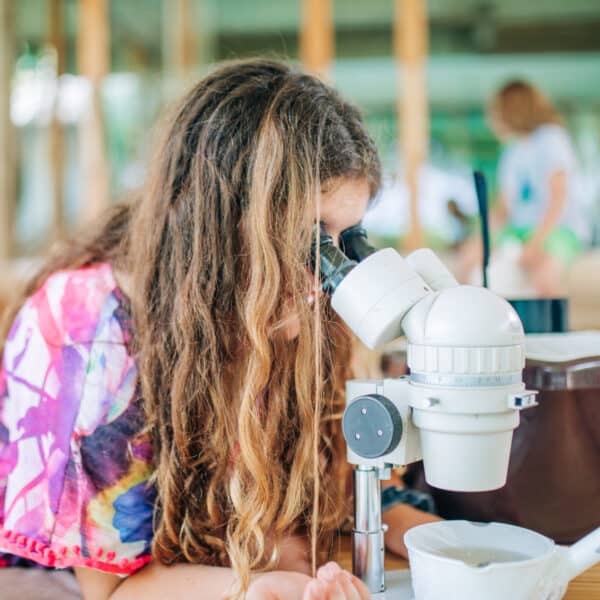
(456, 410)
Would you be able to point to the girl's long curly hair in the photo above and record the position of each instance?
(245, 422)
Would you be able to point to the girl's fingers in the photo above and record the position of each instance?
(323, 590)
(345, 581)
(335, 591)
(351, 587)
(361, 588)
(328, 571)
(311, 591)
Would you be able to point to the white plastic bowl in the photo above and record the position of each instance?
(541, 570)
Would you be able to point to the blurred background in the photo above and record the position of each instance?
(83, 84)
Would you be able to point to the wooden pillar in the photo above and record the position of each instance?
(179, 44)
(8, 174)
(317, 36)
(411, 47)
(56, 144)
(184, 43)
(93, 57)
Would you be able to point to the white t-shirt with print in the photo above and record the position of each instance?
(524, 172)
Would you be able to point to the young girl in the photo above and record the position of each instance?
(172, 384)
(539, 184)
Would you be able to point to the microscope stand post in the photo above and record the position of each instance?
(368, 550)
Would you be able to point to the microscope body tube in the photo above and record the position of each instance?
(433, 271)
(376, 294)
(368, 550)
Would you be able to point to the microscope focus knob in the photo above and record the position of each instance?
(372, 426)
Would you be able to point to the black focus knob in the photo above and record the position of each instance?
(372, 426)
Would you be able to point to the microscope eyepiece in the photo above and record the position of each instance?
(354, 243)
(334, 264)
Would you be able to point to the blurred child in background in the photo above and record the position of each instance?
(539, 187)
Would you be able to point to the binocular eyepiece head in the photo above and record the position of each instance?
(335, 263)
(354, 243)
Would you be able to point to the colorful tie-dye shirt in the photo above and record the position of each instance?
(74, 459)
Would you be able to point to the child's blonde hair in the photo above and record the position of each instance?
(521, 108)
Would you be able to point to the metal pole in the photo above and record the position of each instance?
(368, 549)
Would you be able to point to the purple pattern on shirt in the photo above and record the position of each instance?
(72, 449)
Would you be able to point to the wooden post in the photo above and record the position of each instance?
(93, 55)
(179, 45)
(411, 46)
(56, 135)
(181, 48)
(8, 170)
(317, 36)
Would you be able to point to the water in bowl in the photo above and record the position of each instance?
(482, 557)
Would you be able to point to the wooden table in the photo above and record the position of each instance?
(584, 587)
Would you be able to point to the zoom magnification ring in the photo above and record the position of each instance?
(457, 360)
(466, 380)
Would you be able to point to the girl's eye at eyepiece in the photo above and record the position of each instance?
(334, 265)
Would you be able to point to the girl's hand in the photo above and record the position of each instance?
(333, 583)
(278, 585)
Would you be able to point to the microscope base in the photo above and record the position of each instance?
(398, 586)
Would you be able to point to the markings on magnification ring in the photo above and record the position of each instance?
(456, 380)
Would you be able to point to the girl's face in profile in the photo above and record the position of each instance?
(343, 204)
